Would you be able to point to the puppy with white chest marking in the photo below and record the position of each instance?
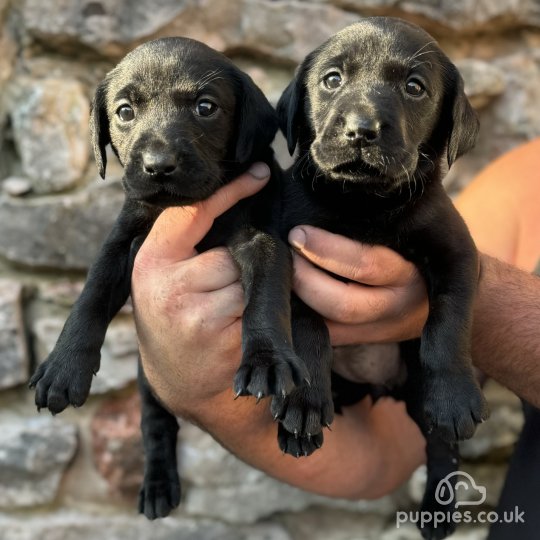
(377, 113)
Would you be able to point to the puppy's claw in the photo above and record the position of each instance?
(327, 425)
(259, 397)
(296, 434)
(237, 395)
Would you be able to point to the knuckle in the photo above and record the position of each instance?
(347, 311)
(378, 305)
(366, 270)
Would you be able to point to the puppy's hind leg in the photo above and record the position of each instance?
(160, 491)
(269, 364)
(309, 407)
(442, 456)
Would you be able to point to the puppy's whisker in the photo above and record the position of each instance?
(417, 53)
(208, 77)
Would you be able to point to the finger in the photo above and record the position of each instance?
(372, 265)
(349, 303)
(178, 230)
(211, 270)
(207, 313)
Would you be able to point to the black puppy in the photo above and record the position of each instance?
(374, 112)
(183, 121)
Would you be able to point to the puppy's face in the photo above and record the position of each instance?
(377, 104)
(181, 119)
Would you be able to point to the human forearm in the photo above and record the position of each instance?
(370, 451)
(188, 310)
(506, 329)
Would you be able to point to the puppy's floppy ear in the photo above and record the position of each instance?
(256, 121)
(290, 107)
(99, 127)
(463, 124)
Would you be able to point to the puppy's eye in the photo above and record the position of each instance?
(205, 107)
(125, 113)
(414, 87)
(332, 80)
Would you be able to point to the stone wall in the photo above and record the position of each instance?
(76, 476)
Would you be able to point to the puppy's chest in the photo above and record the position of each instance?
(348, 215)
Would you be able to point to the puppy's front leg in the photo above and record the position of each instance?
(269, 365)
(308, 408)
(453, 400)
(65, 377)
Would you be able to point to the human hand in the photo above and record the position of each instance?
(188, 307)
(384, 301)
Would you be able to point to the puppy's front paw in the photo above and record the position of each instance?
(160, 492)
(453, 406)
(267, 370)
(302, 415)
(64, 379)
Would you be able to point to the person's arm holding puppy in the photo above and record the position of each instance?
(371, 450)
(501, 210)
(188, 311)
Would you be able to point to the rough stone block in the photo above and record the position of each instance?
(33, 456)
(14, 361)
(62, 232)
(50, 128)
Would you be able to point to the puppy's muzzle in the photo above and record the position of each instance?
(361, 129)
(159, 162)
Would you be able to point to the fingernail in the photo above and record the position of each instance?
(259, 170)
(297, 238)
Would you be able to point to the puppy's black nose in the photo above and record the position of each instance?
(361, 128)
(159, 162)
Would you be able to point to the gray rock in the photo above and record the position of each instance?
(14, 361)
(50, 128)
(118, 355)
(223, 487)
(7, 58)
(73, 525)
(109, 26)
(329, 524)
(33, 456)
(16, 186)
(58, 232)
(460, 15)
(512, 118)
(483, 81)
(288, 31)
(517, 112)
(410, 532)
